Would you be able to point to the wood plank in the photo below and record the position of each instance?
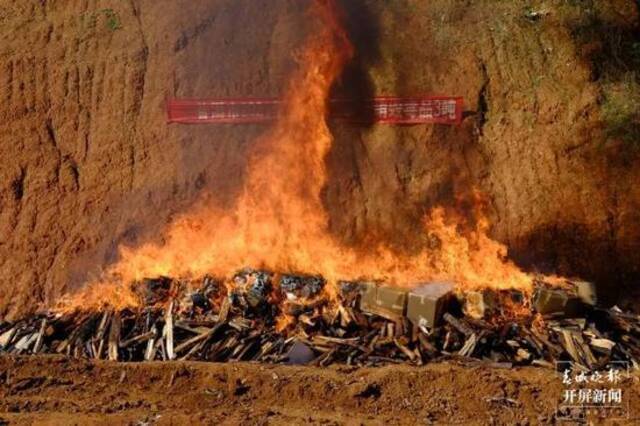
(114, 337)
(168, 331)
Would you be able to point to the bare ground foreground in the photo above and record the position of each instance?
(54, 390)
(89, 162)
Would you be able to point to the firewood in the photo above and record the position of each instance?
(224, 310)
(233, 329)
(584, 351)
(411, 355)
(114, 337)
(569, 345)
(602, 345)
(202, 336)
(150, 351)
(469, 346)
(7, 337)
(555, 350)
(168, 331)
(100, 333)
(459, 325)
(136, 340)
(38, 344)
(25, 342)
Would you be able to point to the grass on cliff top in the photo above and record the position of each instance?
(621, 110)
(612, 45)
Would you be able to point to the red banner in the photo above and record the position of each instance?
(392, 110)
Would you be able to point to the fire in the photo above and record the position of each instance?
(279, 222)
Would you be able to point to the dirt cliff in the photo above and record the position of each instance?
(88, 161)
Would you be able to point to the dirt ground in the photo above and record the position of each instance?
(89, 162)
(53, 390)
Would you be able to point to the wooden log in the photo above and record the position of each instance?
(100, 334)
(80, 332)
(150, 352)
(163, 350)
(224, 310)
(38, 345)
(554, 349)
(306, 319)
(195, 330)
(249, 346)
(339, 341)
(137, 339)
(602, 345)
(354, 342)
(427, 347)
(447, 341)
(199, 338)
(584, 351)
(391, 329)
(193, 350)
(114, 337)
(533, 341)
(168, 331)
(196, 324)
(346, 316)
(522, 355)
(239, 324)
(469, 346)
(25, 342)
(236, 350)
(7, 337)
(405, 350)
(570, 347)
(459, 325)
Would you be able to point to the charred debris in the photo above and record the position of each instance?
(289, 319)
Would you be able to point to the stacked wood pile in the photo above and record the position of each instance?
(295, 323)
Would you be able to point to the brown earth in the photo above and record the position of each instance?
(54, 390)
(88, 161)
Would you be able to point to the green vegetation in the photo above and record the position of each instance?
(621, 111)
(613, 49)
(113, 19)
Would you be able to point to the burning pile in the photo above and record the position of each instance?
(336, 313)
(267, 317)
(279, 221)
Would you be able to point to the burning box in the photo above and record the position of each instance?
(301, 286)
(567, 301)
(586, 292)
(350, 289)
(479, 304)
(427, 303)
(251, 287)
(549, 301)
(384, 301)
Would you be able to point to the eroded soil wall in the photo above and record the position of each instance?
(88, 162)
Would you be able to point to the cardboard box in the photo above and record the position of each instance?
(479, 304)
(385, 301)
(427, 303)
(548, 301)
(586, 292)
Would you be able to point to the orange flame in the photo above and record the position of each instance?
(279, 222)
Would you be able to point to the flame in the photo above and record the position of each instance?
(279, 222)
